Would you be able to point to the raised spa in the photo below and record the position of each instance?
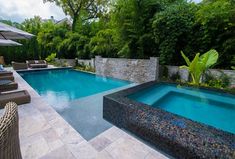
(184, 122)
(204, 106)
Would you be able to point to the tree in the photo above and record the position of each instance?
(132, 20)
(50, 36)
(217, 21)
(104, 43)
(31, 47)
(173, 29)
(90, 9)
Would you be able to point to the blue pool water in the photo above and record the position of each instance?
(64, 90)
(64, 85)
(204, 106)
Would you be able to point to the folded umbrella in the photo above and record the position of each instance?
(9, 32)
(8, 43)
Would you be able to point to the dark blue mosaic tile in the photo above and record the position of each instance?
(179, 123)
(176, 135)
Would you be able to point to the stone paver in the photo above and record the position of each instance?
(100, 143)
(45, 134)
(60, 153)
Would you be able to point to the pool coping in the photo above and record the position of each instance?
(76, 70)
(42, 69)
(173, 134)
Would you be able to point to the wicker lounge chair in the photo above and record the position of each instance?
(11, 78)
(19, 97)
(36, 63)
(8, 87)
(9, 133)
(19, 66)
(6, 73)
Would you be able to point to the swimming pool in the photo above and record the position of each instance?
(204, 106)
(76, 96)
(61, 86)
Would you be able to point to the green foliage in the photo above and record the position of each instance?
(51, 57)
(223, 81)
(86, 68)
(196, 28)
(88, 9)
(175, 77)
(132, 29)
(172, 30)
(200, 64)
(50, 36)
(164, 73)
(104, 44)
(125, 51)
(132, 21)
(216, 19)
(68, 47)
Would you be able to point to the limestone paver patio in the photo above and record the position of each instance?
(45, 134)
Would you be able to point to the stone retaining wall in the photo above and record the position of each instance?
(138, 70)
(67, 62)
(135, 70)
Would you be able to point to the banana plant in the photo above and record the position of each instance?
(200, 64)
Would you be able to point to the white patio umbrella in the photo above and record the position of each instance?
(9, 32)
(4, 42)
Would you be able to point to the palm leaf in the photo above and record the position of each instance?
(185, 58)
(209, 58)
(184, 67)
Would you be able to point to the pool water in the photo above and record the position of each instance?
(204, 106)
(61, 86)
(76, 96)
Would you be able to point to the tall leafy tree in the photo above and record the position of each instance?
(31, 47)
(173, 31)
(132, 19)
(50, 36)
(217, 20)
(75, 8)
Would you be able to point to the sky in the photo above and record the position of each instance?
(18, 10)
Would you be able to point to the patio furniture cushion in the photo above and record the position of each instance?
(36, 63)
(9, 133)
(7, 78)
(6, 73)
(19, 97)
(30, 62)
(19, 66)
(8, 87)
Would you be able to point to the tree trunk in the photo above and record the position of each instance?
(75, 18)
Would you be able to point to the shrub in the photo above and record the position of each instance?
(163, 73)
(175, 77)
(223, 81)
(200, 64)
(84, 67)
(51, 57)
